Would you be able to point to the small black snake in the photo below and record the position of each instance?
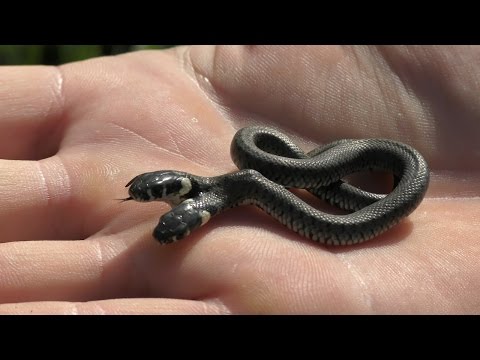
(270, 162)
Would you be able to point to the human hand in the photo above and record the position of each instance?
(75, 135)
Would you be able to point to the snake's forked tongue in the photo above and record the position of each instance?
(126, 199)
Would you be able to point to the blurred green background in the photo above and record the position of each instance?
(60, 54)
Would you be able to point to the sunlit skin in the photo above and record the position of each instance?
(72, 136)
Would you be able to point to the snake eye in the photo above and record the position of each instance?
(169, 186)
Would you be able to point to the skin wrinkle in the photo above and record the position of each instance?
(61, 99)
(256, 290)
(373, 108)
(74, 309)
(108, 254)
(198, 78)
(237, 267)
(414, 262)
(229, 108)
(165, 306)
(106, 258)
(44, 187)
(380, 83)
(140, 266)
(155, 145)
(115, 306)
(217, 296)
(212, 289)
(303, 109)
(391, 101)
(355, 66)
(337, 88)
(96, 217)
(308, 281)
(392, 98)
(212, 92)
(215, 67)
(33, 120)
(55, 115)
(408, 91)
(380, 50)
(174, 142)
(219, 95)
(47, 195)
(441, 284)
(319, 283)
(58, 92)
(311, 81)
(378, 86)
(463, 198)
(178, 153)
(217, 304)
(98, 250)
(440, 100)
(362, 286)
(215, 291)
(98, 308)
(66, 196)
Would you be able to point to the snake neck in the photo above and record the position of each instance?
(237, 187)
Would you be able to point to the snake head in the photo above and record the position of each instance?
(167, 185)
(180, 222)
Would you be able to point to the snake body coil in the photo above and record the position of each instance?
(270, 162)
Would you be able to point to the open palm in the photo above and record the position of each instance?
(73, 136)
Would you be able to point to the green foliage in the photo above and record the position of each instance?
(60, 54)
(21, 54)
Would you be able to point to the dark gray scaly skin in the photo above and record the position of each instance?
(270, 163)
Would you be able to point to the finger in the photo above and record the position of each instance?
(112, 267)
(50, 200)
(33, 271)
(257, 267)
(248, 268)
(101, 268)
(26, 210)
(31, 103)
(355, 91)
(334, 92)
(116, 307)
(69, 195)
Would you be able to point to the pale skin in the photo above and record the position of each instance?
(72, 136)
